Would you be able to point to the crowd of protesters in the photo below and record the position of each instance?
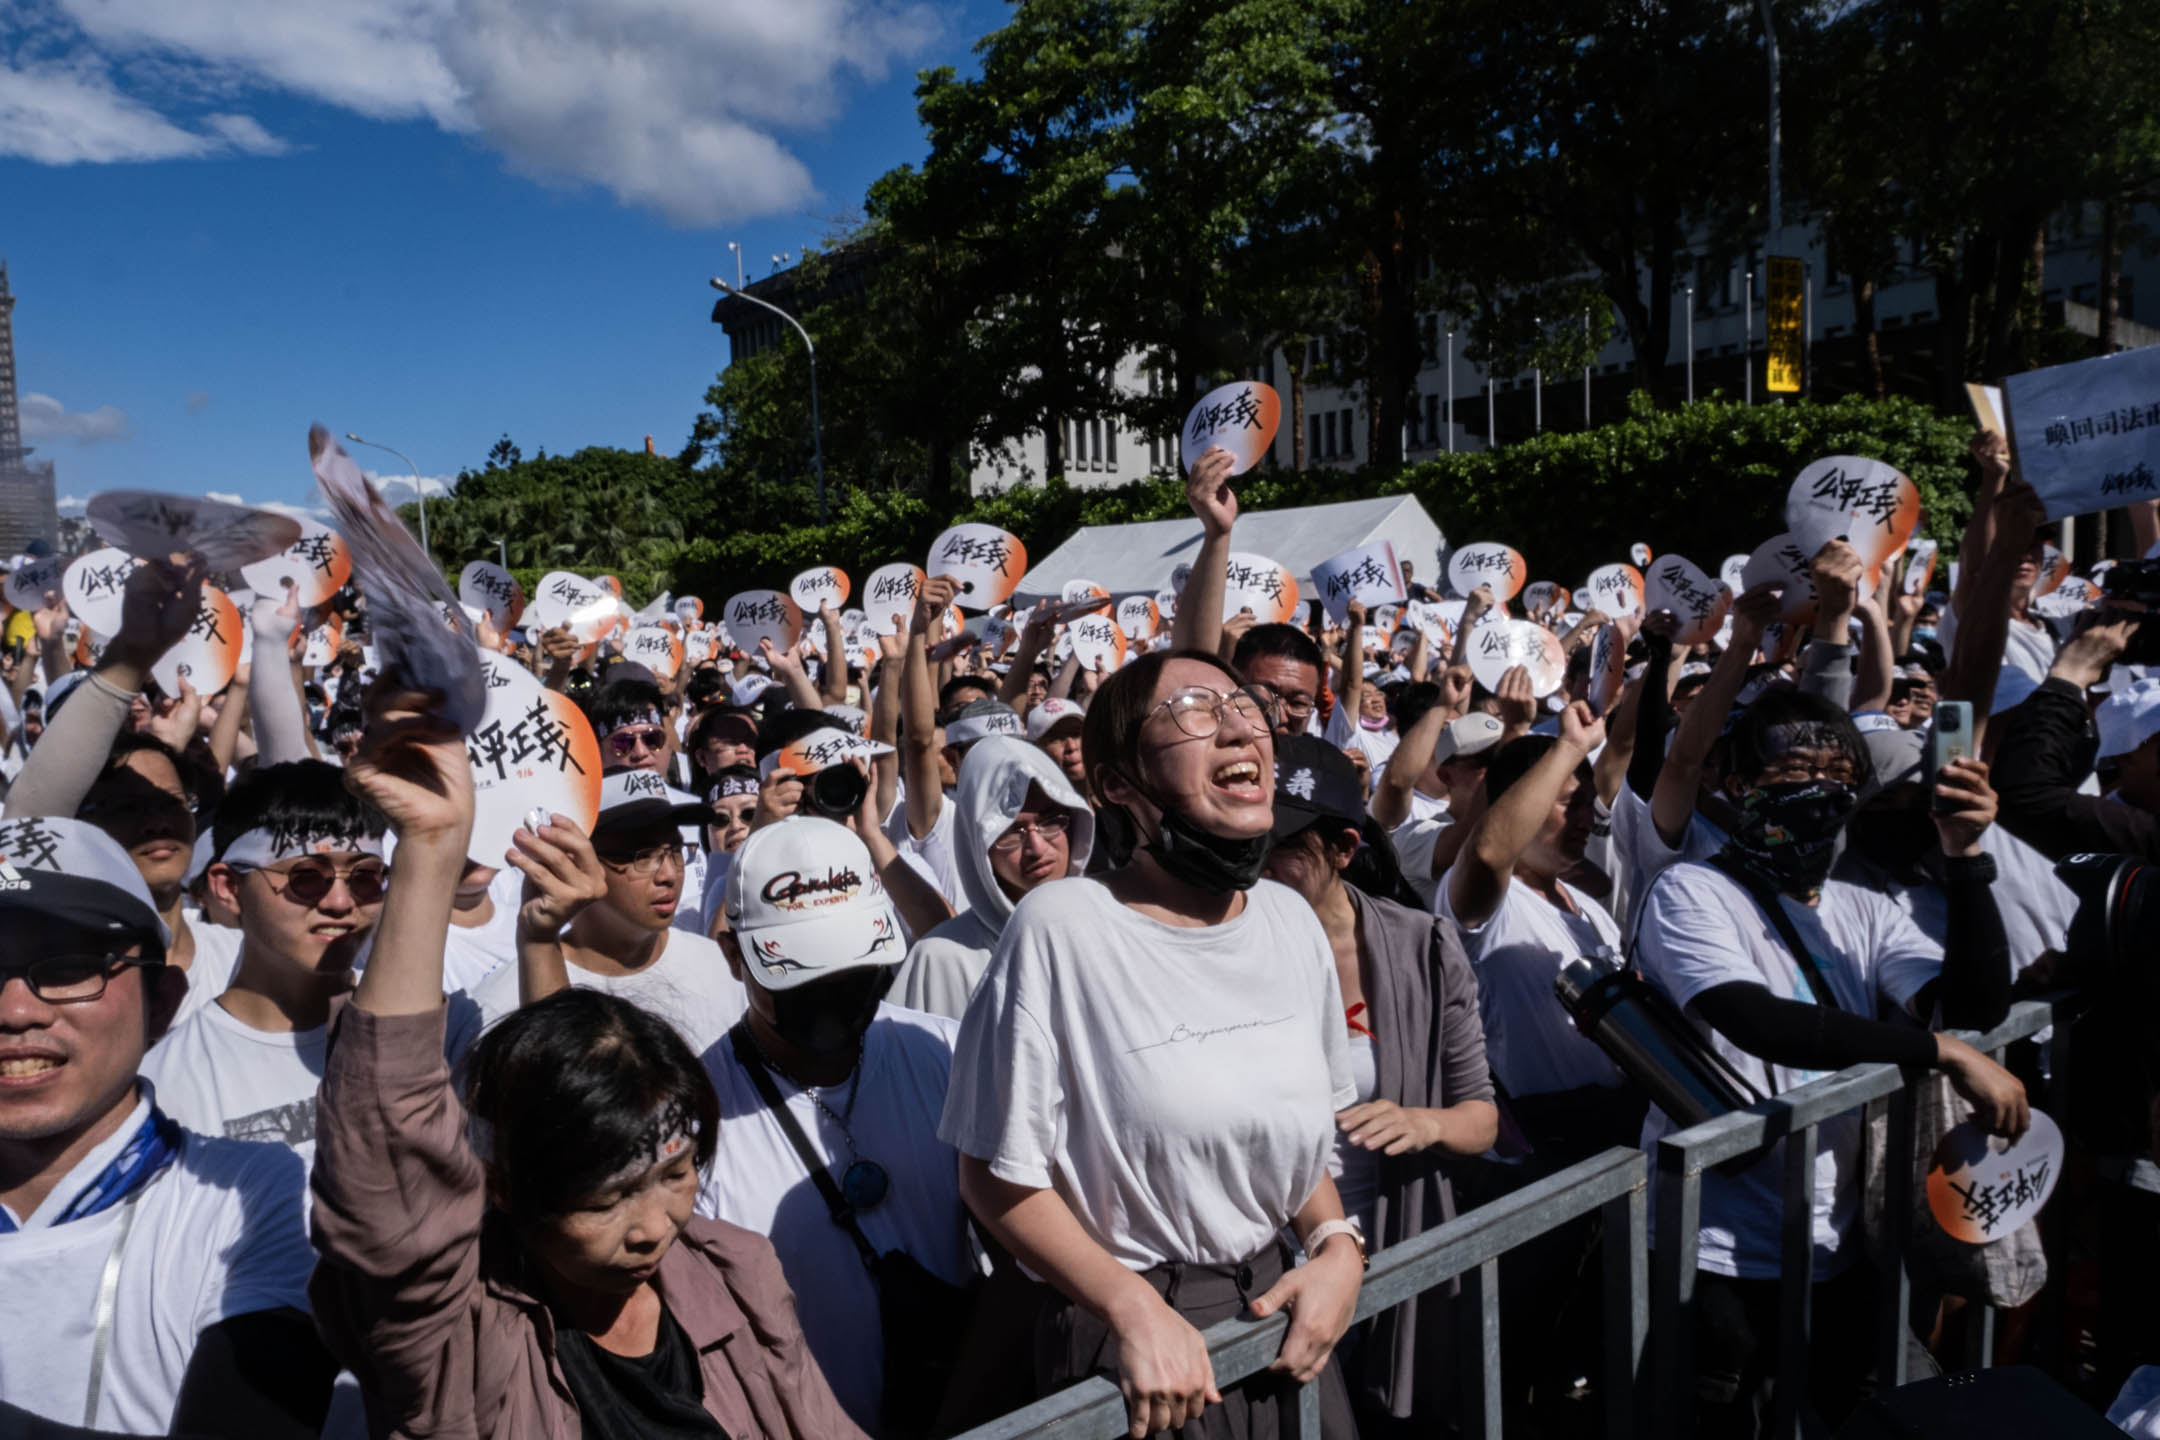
(1098, 1006)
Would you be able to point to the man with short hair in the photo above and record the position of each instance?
(1282, 664)
(615, 929)
(152, 1281)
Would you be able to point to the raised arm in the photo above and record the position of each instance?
(1413, 756)
(1478, 880)
(1837, 572)
(562, 876)
(413, 768)
(1991, 454)
(787, 668)
(918, 710)
(834, 688)
(1672, 802)
(1035, 637)
(1873, 680)
(274, 694)
(1198, 623)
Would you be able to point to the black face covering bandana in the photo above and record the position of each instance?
(828, 1017)
(1787, 833)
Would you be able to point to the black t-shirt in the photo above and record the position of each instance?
(660, 1396)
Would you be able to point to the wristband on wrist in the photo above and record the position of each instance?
(1974, 869)
(1327, 1230)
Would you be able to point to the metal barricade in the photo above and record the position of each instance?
(1470, 1246)
(1797, 1115)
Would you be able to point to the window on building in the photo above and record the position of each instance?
(1349, 434)
(1432, 420)
(1329, 449)
(1429, 338)
(1110, 443)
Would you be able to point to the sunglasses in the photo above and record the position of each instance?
(630, 740)
(309, 882)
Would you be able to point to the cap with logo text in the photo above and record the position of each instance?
(804, 901)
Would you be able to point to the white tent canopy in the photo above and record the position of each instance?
(1137, 559)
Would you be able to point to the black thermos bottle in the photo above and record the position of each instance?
(1651, 1041)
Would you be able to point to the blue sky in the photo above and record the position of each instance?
(429, 221)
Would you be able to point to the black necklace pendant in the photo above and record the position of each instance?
(863, 1184)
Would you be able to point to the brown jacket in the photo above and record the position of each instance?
(418, 1290)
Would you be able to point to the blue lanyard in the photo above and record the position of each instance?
(155, 1145)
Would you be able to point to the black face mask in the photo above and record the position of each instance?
(1787, 832)
(1897, 840)
(828, 1017)
(1196, 857)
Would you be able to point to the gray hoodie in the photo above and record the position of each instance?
(942, 969)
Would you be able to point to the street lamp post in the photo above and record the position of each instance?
(1451, 392)
(502, 548)
(817, 441)
(419, 494)
(1691, 344)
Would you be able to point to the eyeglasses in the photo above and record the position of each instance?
(631, 739)
(1199, 711)
(71, 979)
(1297, 707)
(309, 882)
(647, 862)
(1791, 770)
(1046, 827)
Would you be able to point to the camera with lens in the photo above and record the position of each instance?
(835, 792)
(2130, 590)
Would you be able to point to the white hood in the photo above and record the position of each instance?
(993, 787)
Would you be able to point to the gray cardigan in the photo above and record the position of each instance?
(1429, 1049)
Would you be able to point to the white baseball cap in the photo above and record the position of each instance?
(804, 901)
(1051, 713)
(980, 719)
(1470, 734)
(50, 866)
(748, 690)
(639, 798)
(2128, 718)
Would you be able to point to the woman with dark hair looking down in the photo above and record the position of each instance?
(1146, 1080)
(544, 1277)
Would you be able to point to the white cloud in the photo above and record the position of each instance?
(399, 489)
(45, 419)
(64, 114)
(72, 504)
(297, 512)
(223, 497)
(684, 107)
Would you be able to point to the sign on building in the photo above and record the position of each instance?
(1785, 325)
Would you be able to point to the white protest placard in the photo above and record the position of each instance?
(28, 583)
(1497, 649)
(209, 653)
(1258, 584)
(1617, 589)
(1166, 604)
(1098, 642)
(1730, 571)
(1539, 596)
(2054, 569)
(484, 585)
(656, 648)
(756, 615)
(1987, 407)
(698, 646)
(987, 562)
(317, 565)
(96, 585)
(1639, 554)
(1868, 504)
(1782, 561)
(888, 598)
(532, 750)
(1488, 563)
(1082, 590)
(1919, 566)
(153, 525)
(1608, 667)
(819, 585)
(1696, 601)
(2087, 434)
(322, 641)
(1433, 620)
(690, 610)
(1367, 574)
(1981, 1188)
(585, 607)
(1138, 617)
(1240, 417)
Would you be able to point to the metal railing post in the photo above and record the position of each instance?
(1679, 1243)
(1895, 1301)
(1481, 1359)
(1627, 1310)
(1796, 1284)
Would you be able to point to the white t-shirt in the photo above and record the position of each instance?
(2029, 646)
(218, 1076)
(1641, 854)
(689, 985)
(217, 956)
(1345, 731)
(472, 953)
(1530, 1039)
(757, 1181)
(1176, 1085)
(2035, 905)
(1701, 930)
(221, 1232)
(931, 854)
(1414, 840)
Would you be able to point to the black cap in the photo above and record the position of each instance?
(1314, 781)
